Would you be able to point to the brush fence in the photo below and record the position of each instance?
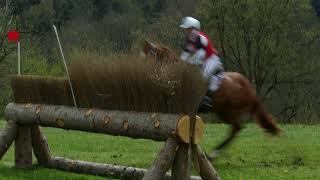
(23, 121)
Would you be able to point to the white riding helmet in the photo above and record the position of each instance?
(190, 22)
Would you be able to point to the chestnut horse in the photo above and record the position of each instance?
(236, 96)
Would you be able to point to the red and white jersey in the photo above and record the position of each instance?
(197, 40)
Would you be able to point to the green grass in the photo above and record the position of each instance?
(253, 156)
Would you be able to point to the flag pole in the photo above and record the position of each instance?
(65, 65)
(19, 72)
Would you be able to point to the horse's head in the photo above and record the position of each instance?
(151, 50)
(161, 53)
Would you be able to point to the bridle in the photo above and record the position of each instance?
(153, 50)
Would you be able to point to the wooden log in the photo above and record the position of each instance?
(96, 168)
(40, 146)
(183, 129)
(198, 131)
(23, 148)
(203, 165)
(180, 166)
(106, 170)
(163, 161)
(7, 136)
(156, 126)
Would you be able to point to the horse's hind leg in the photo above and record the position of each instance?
(236, 127)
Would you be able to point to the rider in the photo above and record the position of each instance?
(200, 50)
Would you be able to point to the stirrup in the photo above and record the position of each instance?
(206, 104)
(207, 101)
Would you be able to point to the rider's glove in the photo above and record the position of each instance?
(198, 57)
(184, 56)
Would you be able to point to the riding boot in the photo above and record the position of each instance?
(206, 104)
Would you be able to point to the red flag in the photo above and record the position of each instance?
(13, 36)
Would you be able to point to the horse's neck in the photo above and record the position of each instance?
(170, 54)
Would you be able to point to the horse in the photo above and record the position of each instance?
(160, 53)
(235, 97)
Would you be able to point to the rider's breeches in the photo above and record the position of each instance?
(210, 69)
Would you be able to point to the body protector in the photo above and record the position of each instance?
(200, 50)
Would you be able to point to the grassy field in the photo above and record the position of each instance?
(294, 155)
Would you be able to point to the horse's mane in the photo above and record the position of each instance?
(168, 50)
(161, 53)
(168, 53)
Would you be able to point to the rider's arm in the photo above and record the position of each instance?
(200, 53)
(202, 43)
(187, 52)
(197, 51)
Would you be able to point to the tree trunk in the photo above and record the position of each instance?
(203, 165)
(156, 126)
(23, 148)
(40, 146)
(7, 136)
(163, 162)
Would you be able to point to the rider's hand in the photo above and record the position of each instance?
(199, 55)
(184, 56)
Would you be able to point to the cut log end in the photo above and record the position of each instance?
(60, 123)
(183, 129)
(198, 130)
(153, 115)
(157, 124)
(106, 120)
(38, 109)
(125, 125)
(87, 113)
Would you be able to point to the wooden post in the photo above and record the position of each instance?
(23, 148)
(40, 146)
(192, 138)
(7, 136)
(180, 166)
(203, 165)
(163, 162)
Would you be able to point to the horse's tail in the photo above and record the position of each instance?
(264, 119)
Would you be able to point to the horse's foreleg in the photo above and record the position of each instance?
(236, 127)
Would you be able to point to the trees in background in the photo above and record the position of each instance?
(6, 21)
(316, 6)
(273, 43)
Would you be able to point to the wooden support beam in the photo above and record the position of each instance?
(23, 148)
(40, 146)
(156, 126)
(203, 165)
(7, 136)
(163, 161)
(180, 166)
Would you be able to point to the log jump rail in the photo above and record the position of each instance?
(23, 121)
